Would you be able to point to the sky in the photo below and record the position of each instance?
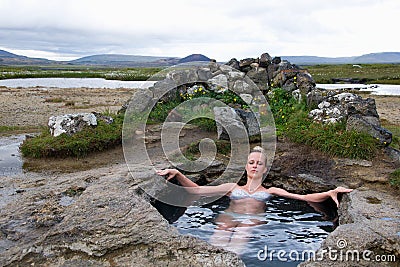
(219, 29)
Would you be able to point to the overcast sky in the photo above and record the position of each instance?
(219, 29)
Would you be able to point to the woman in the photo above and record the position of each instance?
(247, 201)
(252, 192)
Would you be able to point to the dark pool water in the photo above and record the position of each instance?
(291, 226)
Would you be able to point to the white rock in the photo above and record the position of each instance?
(324, 104)
(70, 123)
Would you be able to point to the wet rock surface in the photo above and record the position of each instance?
(92, 218)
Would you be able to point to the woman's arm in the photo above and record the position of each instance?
(194, 188)
(316, 197)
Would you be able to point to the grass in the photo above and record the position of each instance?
(9, 130)
(395, 179)
(78, 145)
(123, 74)
(368, 73)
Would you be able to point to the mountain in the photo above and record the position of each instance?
(117, 60)
(384, 57)
(7, 58)
(193, 58)
(126, 60)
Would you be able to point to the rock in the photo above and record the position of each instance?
(352, 162)
(358, 123)
(259, 76)
(104, 118)
(164, 90)
(141, 101)
(109, 222)
(246, 62)
(71, 123)
(204, 74)
(251, 122)
(365, 107)
(394, 154)
(229, 124)
(265, 60)
(248, 98)
(305, 83)
(219, 82)
(369, 226)
(276, 60)
(233, 63)
(242, 87)
(300, 184)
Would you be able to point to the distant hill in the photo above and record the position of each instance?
(193, 58)
(7, 58)
(117, 60)
(384, 57)
(126, 60)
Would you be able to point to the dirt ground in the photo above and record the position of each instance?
(33, 107)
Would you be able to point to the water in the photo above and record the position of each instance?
(10, 158)
(288, 225)
(74, 83)
(375, 89)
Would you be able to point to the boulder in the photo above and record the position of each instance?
(219, 83)
(233, 63)
(362, 124)
(265, 60)
(369, 227)
(236, 122)
(259, 76)
(71, 123)
(99, 217)
(229, 124)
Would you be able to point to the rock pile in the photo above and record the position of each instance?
(358, 113)
(269, 72)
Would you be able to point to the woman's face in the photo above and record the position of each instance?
(256, 165)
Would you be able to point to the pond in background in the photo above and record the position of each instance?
(287, 225)
(74, 83)
(375, 89)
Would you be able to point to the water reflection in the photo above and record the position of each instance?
(10, 158)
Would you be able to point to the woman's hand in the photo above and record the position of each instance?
(170, 173)
(333, 193)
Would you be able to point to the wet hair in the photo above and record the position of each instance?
(259, 150)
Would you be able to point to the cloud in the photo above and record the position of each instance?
(219, 29)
